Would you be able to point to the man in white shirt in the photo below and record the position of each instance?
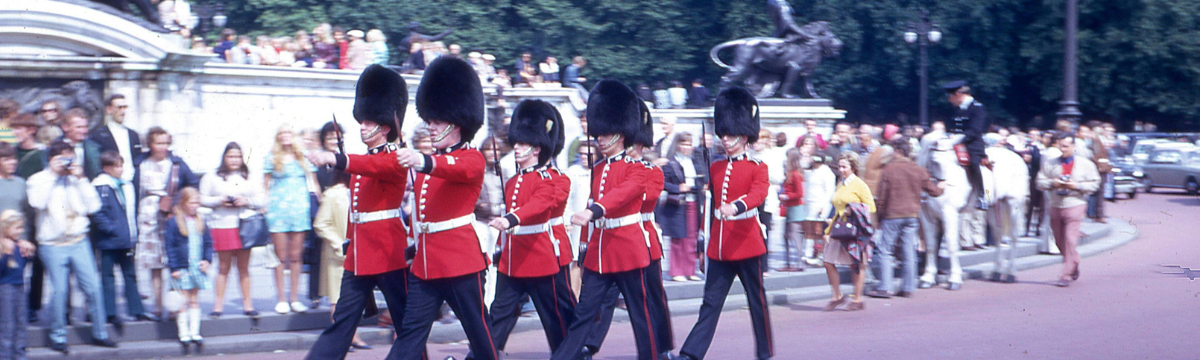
(115, 136)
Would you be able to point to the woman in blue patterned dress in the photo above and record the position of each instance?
(288, 178)
(189, 253)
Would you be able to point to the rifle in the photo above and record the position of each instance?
(504, 195)
(708, 201)
(583, 245)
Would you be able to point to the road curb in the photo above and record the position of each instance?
(1101, 239)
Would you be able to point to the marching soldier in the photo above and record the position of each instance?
(375, 233)
(450, 264)
(970, 120)
(617, 253)
(532, 249)
(735, 235)
(660, 313)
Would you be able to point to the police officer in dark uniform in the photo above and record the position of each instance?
(970, 120)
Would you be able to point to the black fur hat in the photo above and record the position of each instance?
(537, 123)
(736, 113)
(382, 97)
(450, 91)
(645, 137)
(613, 108)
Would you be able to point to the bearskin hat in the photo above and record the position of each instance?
(645, 136)
(736, 113)
(537, 123)
(613, 108)
(381, 96)
(450, 91)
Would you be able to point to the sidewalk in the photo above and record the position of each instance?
(782, 288)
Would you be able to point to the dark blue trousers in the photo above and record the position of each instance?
(464, 294)
(716, 289)
(660, 312)
(108, 283)
(552, 297)
(592, 297)
(357, 292)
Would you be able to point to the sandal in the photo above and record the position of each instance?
(857, 305)
(833, 305)
(214, 315)
(253, 314)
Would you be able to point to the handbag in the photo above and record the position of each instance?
(166, 202)
(843, 229)
(253, 231)
(676, 199)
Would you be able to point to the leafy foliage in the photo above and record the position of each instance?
(1139, 59)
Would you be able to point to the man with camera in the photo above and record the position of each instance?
(1068, 180)
(63, 198)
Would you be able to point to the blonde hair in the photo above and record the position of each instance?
(374, 35)
(277, 150)
(8, 218)
(180, 211)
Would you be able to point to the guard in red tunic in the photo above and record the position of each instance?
(450, 264)
(660, 312)
(736, 236)
(617, 252)
(375, 232)
(530, 250)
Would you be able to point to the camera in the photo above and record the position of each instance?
(1063, 191)
(67, 161)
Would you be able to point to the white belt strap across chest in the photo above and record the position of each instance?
(439, 226)
(366, 217)
(613, 223)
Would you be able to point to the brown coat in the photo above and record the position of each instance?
(900, 187)
(1100, 156)
(872, 168)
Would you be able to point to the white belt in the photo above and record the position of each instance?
(647, 217)
(435, 227)
(537, 228)
(613, 223)
(366, 217)
(743, 216)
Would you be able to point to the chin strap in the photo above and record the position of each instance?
(444, 133)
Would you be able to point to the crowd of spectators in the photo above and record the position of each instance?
(109, 189)
(326, 47)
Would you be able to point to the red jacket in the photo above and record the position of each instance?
(560, 231)
(742, 181)
(532, 198)
(617, 190)
(446, 189)
(793, 187)
(377, 186)
(654, 188)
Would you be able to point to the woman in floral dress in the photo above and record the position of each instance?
(288, 179)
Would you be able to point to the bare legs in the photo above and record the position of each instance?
(243, 265)
(288, 247)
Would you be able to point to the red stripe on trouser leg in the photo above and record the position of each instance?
(483, 319)
(646, 311)
(766, 316)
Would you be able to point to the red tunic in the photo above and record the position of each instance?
(793, 187)
(742, 181)
(448, 192)
(654, 188)
(560, 231)
(617, 191)
(377, 186)
(532, 198)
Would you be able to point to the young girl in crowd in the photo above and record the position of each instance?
(189, 253)
(230, 193)
(791, 201)
(14, 251)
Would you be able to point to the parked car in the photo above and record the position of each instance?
(1127, 176)
(1143, 147)
(1173, 166)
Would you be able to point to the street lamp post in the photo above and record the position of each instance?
(209, 14)
(1069, 106)
(923, 33)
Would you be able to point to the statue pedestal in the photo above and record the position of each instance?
(776, 115)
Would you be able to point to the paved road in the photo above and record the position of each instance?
(1124, 306)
